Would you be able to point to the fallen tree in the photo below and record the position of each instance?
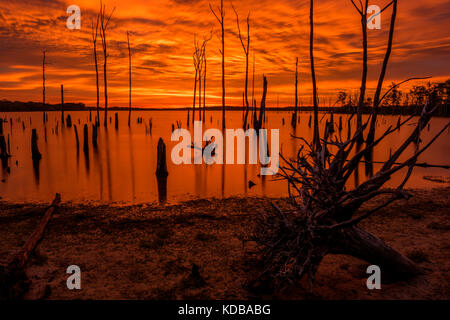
(325, 215)
(14, 282)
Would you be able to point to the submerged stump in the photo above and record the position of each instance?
(161, 171)
(85, 140)
(36, 155)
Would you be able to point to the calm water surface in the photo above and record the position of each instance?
(122, 169)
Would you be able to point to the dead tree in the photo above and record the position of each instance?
(294, 115)
(161, 167)
(86, 140)
(376, 99)
(76, 137)
(362, 10)
(104, 21)
(161, 171)
(204, 85)
(35, 154)
(253, 92)
(246, 49)
(69, 121)
(316, 139)
(220, 16)
(43, 81)
(259, 122)
(62, 105)
(199, 60)
(129, 79)
(14, 282)
(202, 74)
(94, 136)
(4, 152)
(195, 57)
(94, 33)
(326, 214)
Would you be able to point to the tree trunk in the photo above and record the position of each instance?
(62, 105)
(204, 89)
(36, 155)
(316, 138)
(13, 281)
(106, 88)
(200, 70)
(263, 105)
(98, 87)
(376, 99)
(161, 164)
(129, 80)
(43, 82)
(21, 257)
(361, 244)
(294, 116)
(223, 75)
(364, 73)
(195, 95)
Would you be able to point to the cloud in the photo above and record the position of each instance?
(162, 34)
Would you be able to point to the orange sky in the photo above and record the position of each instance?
(162, 33)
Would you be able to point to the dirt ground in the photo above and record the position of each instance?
(148, 252)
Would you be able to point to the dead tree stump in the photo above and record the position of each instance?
(94, 135)
(36, 155)
(69, 121)
(76, 137)
(161, 166)
(85, 140)
(3, 152)
(161, 171)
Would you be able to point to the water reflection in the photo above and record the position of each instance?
(120, 165)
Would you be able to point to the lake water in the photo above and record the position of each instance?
(122, 169)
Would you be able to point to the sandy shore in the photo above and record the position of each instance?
(147, 252)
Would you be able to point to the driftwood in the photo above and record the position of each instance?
(326, 213)
(13, 281)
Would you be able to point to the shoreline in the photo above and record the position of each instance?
(148, 251)
(442, 112)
